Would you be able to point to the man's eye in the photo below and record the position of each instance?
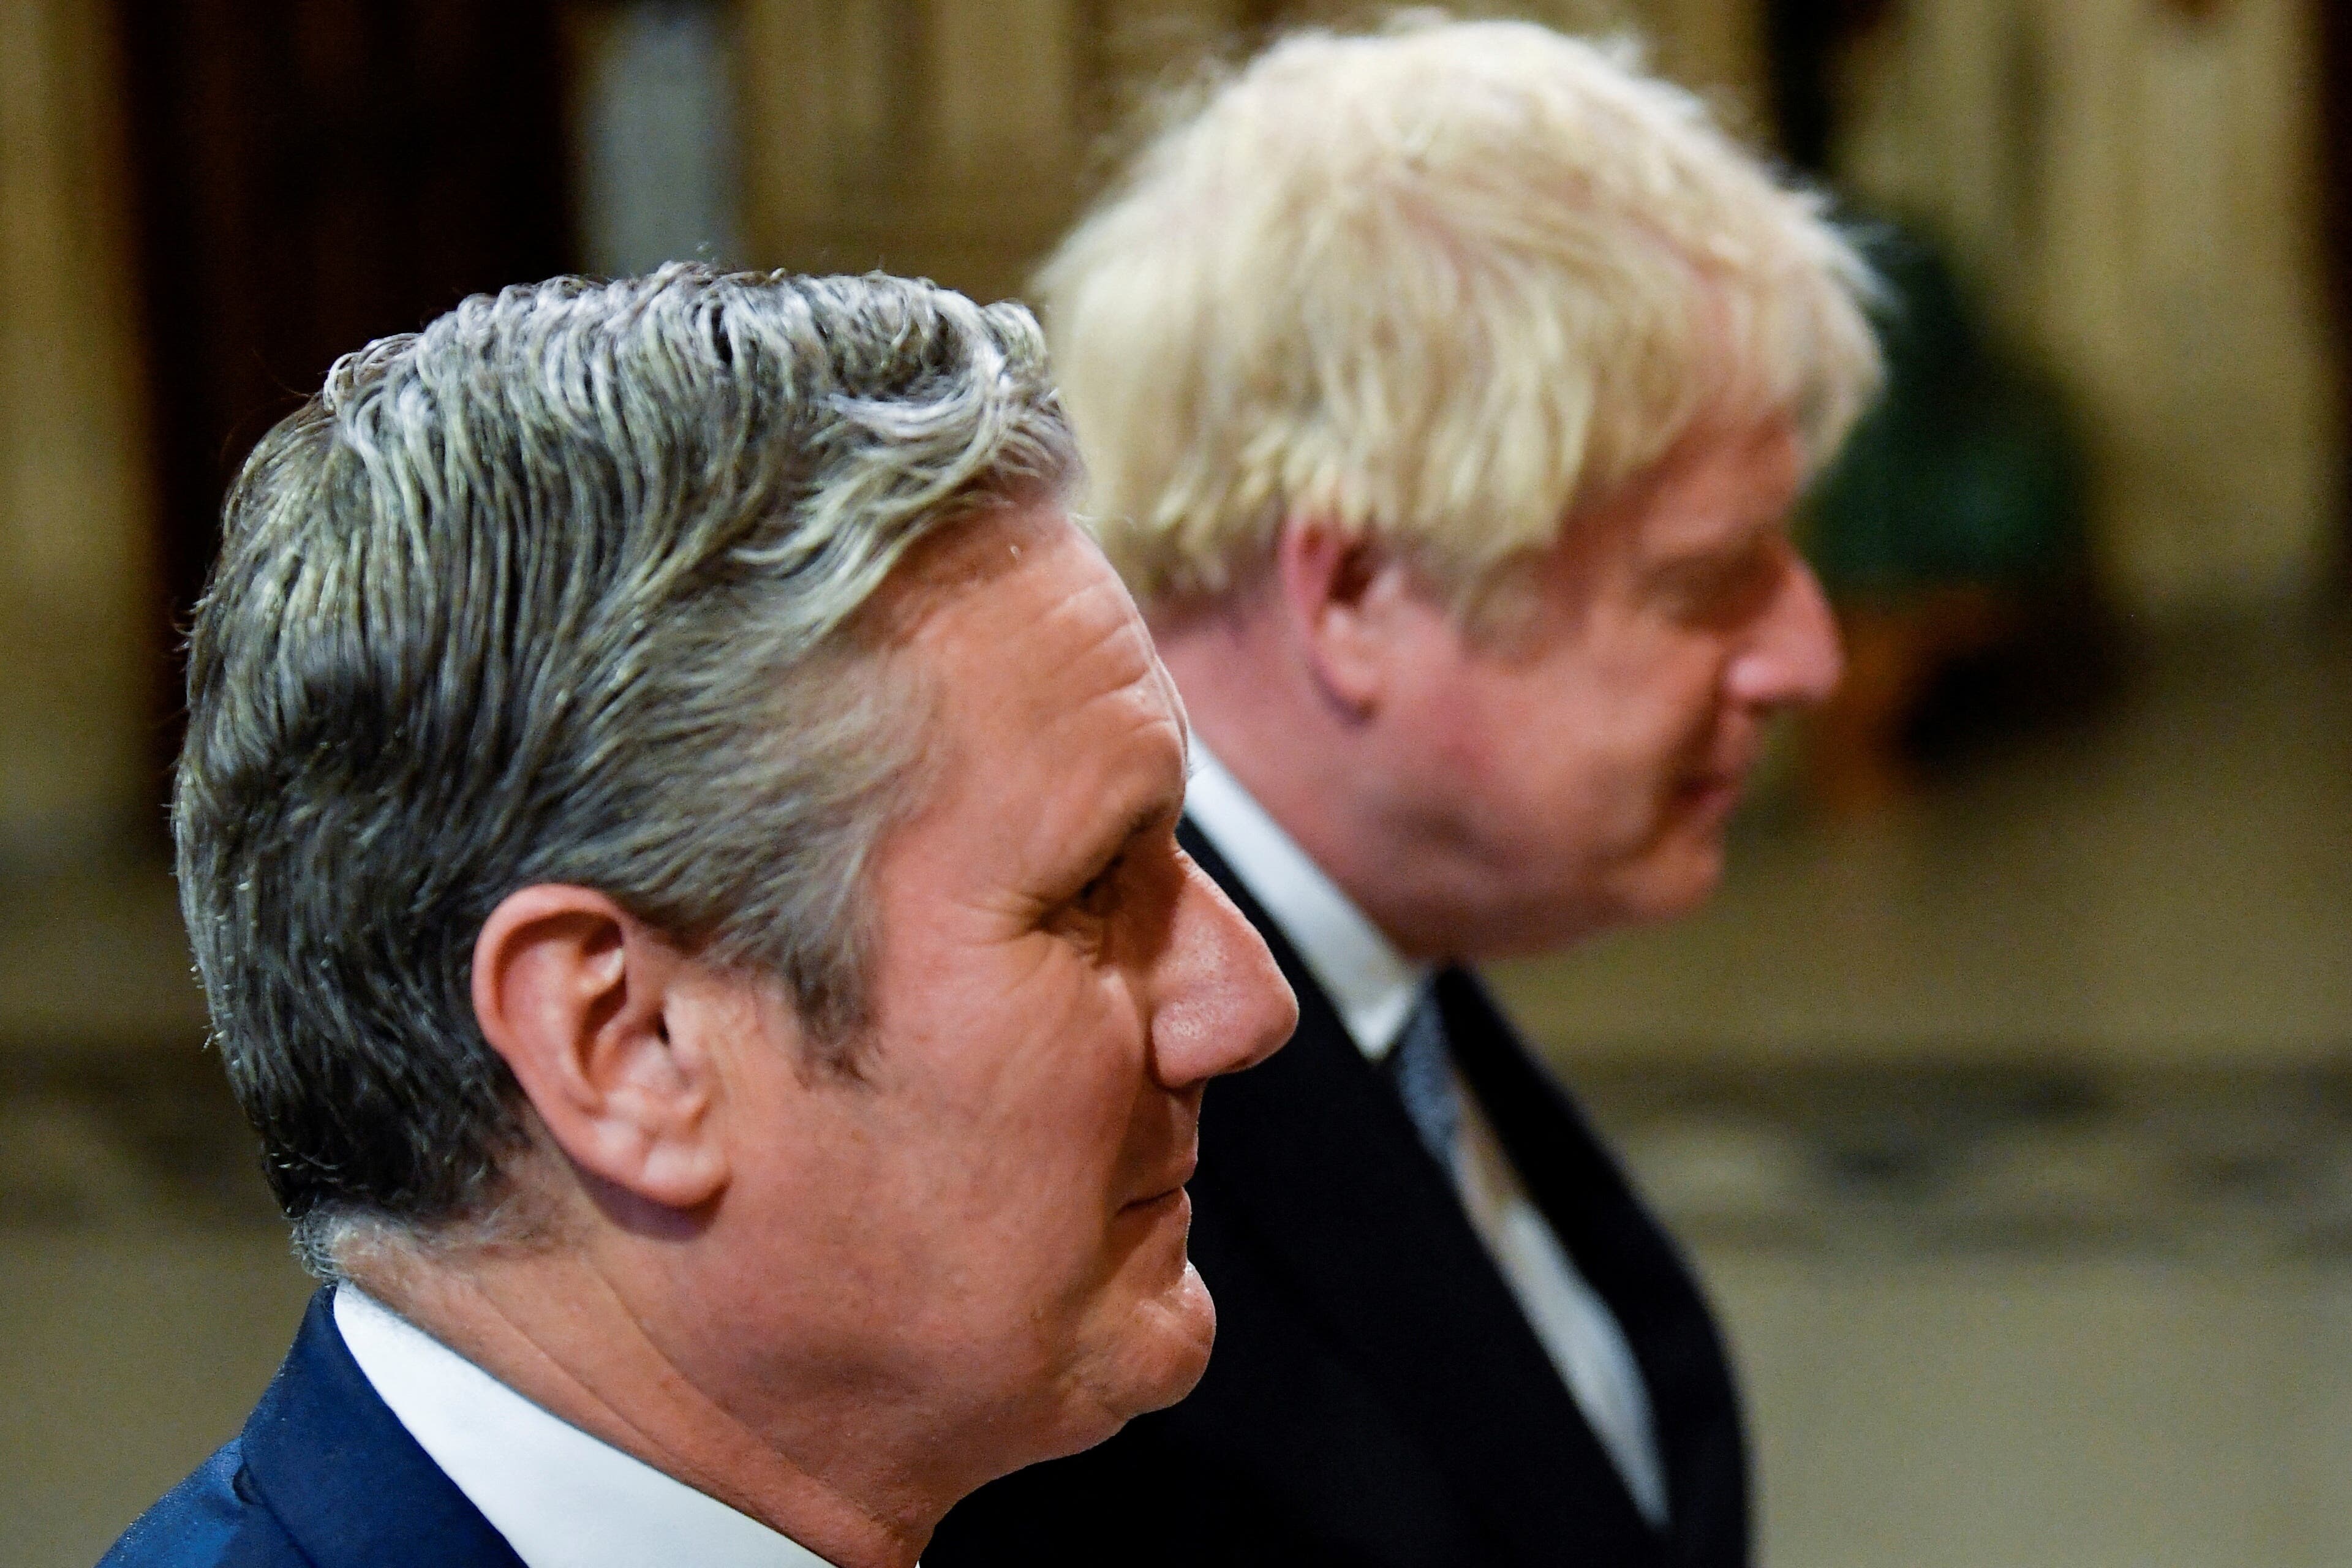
(1101, 891)
(1728, 586)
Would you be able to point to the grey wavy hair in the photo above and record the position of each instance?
(564, 588)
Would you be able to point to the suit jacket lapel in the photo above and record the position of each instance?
(344, 1476)
(1349, 1209)
(1629, 1260)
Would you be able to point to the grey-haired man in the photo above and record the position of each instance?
(678, 831)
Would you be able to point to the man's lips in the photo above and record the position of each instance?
(1169, 1185)
(1714, 782)
(1706, 800)
(1725, 771)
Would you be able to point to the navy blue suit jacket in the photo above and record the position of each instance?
(324, 1476)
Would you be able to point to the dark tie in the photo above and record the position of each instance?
(1419, 1066)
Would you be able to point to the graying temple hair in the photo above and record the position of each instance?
(564, 588)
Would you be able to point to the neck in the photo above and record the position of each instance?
(1319, 770)
(563, 1333)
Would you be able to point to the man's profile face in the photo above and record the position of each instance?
(996, 1201)
(1594, 759)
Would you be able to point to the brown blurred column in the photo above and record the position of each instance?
(2336, 210)
(74, 502)
(312, 175)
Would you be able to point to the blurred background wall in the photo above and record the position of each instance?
(77, 528)
(2005, 1095)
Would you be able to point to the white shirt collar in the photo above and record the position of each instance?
(561, 1498)
(1369, 983)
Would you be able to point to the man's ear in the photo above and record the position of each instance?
(1341, 594)
(576, 994)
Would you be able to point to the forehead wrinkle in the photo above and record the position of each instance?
(1120, 644)
(1729, 493)
(1142, 715)
(1085, 647)
(1143, 699)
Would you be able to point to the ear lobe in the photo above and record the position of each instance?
(1339, 594)
(574, 993)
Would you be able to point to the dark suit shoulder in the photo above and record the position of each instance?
(211, 1520)
(324, 1476)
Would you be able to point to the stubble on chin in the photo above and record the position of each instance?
(1173, 1336)
(1159, 1358)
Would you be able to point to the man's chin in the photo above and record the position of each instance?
(1676, 881)
(1176, 1334)
(1158, 1360)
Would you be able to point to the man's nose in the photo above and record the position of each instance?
(1218, 1003)
(1793, 656)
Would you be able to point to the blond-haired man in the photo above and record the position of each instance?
(1447, 392)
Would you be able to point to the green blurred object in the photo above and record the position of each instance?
(1967, 472)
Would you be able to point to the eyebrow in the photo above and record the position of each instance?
(1758, 525)
(1138, 819)
(1147, 815)
(1749, 536)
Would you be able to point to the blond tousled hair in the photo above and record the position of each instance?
(1443, 283)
